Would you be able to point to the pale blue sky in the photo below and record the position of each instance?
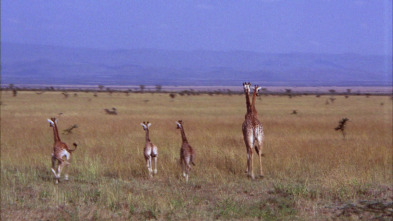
(267, 26)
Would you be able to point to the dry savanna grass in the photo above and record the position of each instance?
(311, 172)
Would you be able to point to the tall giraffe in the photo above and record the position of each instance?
(187, 153)
(150, 151)
(252, 131)
(60, 150)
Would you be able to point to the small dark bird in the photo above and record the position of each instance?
(111, 112)
(69, 130)
(341, 125)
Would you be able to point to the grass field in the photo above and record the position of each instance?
(311, 172)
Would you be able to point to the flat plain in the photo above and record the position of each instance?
(311, 171)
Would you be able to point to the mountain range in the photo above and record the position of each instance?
(54, 65)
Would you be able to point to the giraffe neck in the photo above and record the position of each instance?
(248, 102)
(56, 133)
(254, 110)
(147, 135)
(183, 135)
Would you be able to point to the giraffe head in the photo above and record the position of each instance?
(179, 124)
(256, 89)
(246, 87)
(52, 122)
(145, 125)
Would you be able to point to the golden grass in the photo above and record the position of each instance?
(308, 166)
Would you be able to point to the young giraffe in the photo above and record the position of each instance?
(187, 153)
(60, 150)
(150, 150)
(252, 131)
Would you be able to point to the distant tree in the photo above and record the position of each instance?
(101, 87)
(158, 88)
(172, 95)
(332, 91)
(348, 91)
(264, 91)
(14, 92)
(142, 87)
(11, 86)
(109, 90)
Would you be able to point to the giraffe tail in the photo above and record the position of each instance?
(75, 146)
(257, 150)
(192, 160)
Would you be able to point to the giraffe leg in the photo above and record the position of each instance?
(248, 161)
(183, 166)
(148, 165)
(58, 174)
(155, 165)
(53, 165)
(249, 141)
(251, 170)
(66, 170)
(260, 161)
(60, 168)
(151, 167)
(187, 169)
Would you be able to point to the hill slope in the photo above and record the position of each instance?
(37, 64)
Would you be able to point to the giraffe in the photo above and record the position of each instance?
(60, 150)
(187, 153)
(252, 131)
(150, 151)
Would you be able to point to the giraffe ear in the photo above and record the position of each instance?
(56, 121)
(148, 125)
(50, 121)
(143, 125)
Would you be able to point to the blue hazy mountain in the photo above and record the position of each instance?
(53, 65)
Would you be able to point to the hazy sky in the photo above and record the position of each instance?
(284, 26)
